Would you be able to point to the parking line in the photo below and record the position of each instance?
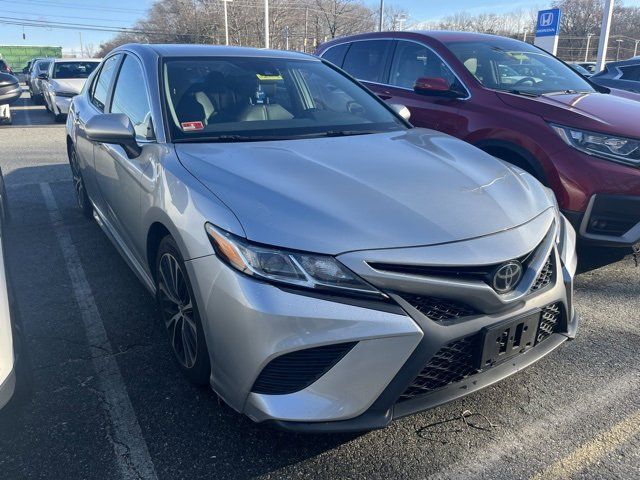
(125, 434)
(486, 459)
(592, 451)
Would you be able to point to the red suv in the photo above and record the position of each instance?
(520, 104)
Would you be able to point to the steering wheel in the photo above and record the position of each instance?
(524, 80)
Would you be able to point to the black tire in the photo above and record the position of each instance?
(84, 204)
(180, 315)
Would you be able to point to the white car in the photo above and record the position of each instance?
(63, 81)
(34, 81)
(7, 355)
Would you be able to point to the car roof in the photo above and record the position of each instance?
(185, 50)
(66, 60)
(449, 36)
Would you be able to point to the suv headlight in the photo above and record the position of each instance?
(610, 147)
(301, 269)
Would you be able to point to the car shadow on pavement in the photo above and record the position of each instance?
(26, 112)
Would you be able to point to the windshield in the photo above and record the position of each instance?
(243, 98)
(511, 65)
(73, 69)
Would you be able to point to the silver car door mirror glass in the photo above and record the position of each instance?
(114, 128)
(401, 110)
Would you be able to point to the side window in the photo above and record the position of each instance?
(412, 61)
(366, 60)
(631, 73)
(130, 97)
(100, 87)
(335, 54)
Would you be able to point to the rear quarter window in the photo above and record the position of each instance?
(366, 60)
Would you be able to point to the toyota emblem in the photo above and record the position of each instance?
(507, 276)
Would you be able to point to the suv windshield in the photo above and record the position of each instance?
(511, 65)
(241, 98)
(73, 69)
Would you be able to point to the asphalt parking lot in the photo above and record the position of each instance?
(108, 402)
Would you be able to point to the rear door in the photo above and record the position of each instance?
(413, 60)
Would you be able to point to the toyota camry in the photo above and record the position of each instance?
(319, 262)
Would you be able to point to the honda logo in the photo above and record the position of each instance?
(546, 19)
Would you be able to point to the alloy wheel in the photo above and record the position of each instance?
(177, 310)
(78, 183)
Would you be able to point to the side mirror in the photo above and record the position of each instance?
(43, 76)
(401, 110)
(436, 86)
(114, 128)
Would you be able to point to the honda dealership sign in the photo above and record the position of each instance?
(547, 30)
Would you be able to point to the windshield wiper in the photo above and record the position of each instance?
(230, 138)
(346, 133)
(524, 94)
(565, 92)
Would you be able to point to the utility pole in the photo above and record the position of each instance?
(619, 40)
(306, 29)
(586, 52)
(603, 42)
(524, 37)
(266, 23)
(635, 50)
(81, 49)
(286, 37)
(381, 20)
(226, 22)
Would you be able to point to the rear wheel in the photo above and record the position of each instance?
(180, 314)
(78, 185)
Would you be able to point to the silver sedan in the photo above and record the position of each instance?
(319, 262)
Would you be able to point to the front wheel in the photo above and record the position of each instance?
(180, 314)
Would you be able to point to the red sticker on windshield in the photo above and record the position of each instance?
(189, 126)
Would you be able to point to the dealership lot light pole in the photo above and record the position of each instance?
(603, 42)
(266, 23)
(586, 52)
(226, 22)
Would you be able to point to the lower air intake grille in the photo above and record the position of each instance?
(439, 309)
(549, 322)
(297, 370)
(450, 364)
(545, 277)
(457, 360)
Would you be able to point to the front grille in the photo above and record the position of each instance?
(545, 277)
(439, 309)
(297, 370)
(458, 359)
(450, 364)
(550, 322)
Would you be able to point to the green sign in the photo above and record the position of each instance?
(17, 56)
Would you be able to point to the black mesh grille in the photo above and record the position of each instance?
(439, 309)
(457, 360)
(294, 371)
(545, 277)
(549, 322)
(450, 364)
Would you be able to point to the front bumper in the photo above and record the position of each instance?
(248, 324)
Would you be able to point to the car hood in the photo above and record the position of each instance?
(599, 112)
(387, 190)
(73, 85)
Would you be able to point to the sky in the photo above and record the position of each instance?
(124, 13)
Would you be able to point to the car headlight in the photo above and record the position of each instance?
(610, 147)
(64, 94)
(301, 269)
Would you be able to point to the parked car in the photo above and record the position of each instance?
(574, 136)
(580, 69)
(7, 331)
(64, 80)
(10, 91)
(292, 227)
(35, 81)
(4, 67)
(624, 75)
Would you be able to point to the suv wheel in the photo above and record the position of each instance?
(180, 314)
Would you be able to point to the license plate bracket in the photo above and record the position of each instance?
(508, 339)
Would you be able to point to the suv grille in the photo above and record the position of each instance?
(457, 360)
(439, 309)
(297, 370)
(545, 277)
